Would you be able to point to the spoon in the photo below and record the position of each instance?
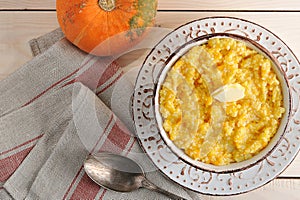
(120, 174)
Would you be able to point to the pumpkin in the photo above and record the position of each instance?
(105, 27)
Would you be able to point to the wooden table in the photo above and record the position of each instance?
(23, 20)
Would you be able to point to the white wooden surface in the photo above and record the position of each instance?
(176, 4)
(23, 20)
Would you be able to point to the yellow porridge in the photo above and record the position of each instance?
(221, 102)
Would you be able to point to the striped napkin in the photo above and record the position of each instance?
(54, 111)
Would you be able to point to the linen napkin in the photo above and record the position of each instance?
(54, 111)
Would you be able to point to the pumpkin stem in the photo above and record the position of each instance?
(107, 5)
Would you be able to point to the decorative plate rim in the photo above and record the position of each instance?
(231, 190)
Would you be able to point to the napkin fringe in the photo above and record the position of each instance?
(34, 47)
(42, 43)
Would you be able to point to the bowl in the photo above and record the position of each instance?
(232, 167)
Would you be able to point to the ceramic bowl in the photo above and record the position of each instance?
(234, 167)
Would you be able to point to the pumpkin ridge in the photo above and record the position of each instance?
(116, 25)
(130, 10)
(83, 31)
(106, 32)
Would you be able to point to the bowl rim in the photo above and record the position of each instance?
(265, 152)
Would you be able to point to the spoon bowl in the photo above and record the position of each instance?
(119, 173)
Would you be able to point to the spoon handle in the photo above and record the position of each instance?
(147, 184)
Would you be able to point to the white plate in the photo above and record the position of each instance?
(166, 161)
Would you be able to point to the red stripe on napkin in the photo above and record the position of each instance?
(103, 194)
(90, 77)
(109, 72)
(25, 143)
(98, 74)
(119, 135)
(86, 189)
(130, 147)
(109, 85)
(57, 83)
(117, 139)
(49, 88)
(73, 182)
(109, 122)
(9, 165)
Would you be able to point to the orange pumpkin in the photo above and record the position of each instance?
(105, 27)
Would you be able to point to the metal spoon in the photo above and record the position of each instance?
(120, 174)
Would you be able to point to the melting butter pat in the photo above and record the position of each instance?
(229, 93)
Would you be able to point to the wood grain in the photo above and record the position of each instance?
(229, 5)
(176, 5)
(17, 28)
(276, 190)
